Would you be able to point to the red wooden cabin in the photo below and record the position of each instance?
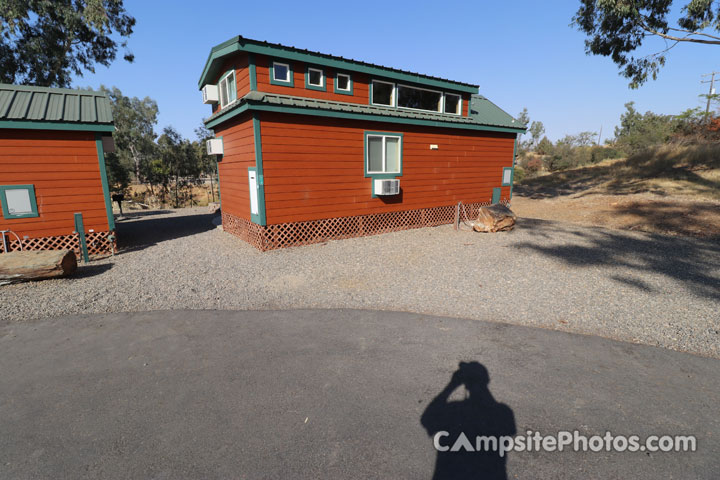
(53, 186)
(314, 147)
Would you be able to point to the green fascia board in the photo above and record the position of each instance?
(354, 116)
(282, 83)
(343, 92)
(260, 218)
(33, 202)
(307, 79)
(234, 45)
(81, 127)
(104, 181)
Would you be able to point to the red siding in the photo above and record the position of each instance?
(63, 167)
(360, 83)
(239, 147)
(314, 167)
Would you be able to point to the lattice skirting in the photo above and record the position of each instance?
(282, 235)
(97, 243)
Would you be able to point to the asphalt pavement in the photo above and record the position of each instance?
(309, 394)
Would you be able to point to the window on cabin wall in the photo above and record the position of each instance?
(383, 153)
(18, 201)
(343, 82)
(227, 89)
(383, 93)
(316, 78)
(419, 98)
(281, 72)
(452, 104)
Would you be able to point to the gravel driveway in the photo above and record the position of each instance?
(636, 287)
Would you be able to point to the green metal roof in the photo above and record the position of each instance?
(484, 111)
(24, 106)
(240, 44)
(486, 116)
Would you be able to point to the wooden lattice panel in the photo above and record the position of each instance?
(97, 243)
(293, 234)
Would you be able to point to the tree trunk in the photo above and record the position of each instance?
(36, 265)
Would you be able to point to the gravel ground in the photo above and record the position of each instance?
(636, 287)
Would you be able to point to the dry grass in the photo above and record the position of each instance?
(673, 189)
(673, 169)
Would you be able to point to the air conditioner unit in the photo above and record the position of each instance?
(210, 94)
(387, 187)
(215, 146)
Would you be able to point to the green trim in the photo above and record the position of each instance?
(104, 181)
(343, 92)
(379, 176)
(80, 230)
(260, 218)
(307, 79)
(271, 73)
(30, 125)
(353, 116)
(497, 192)
(252, 71)
(33, 202)
(512, 183)
(239, 44)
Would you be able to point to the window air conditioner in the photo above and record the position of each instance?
(210, 94)
(387, 187)
(215, 146)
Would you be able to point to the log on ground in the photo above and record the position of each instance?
(36, 265)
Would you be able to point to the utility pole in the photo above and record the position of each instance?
(711, 92)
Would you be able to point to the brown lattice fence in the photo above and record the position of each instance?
(293, 234)
(97, 243)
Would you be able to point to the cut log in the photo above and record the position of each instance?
(495, 218)
(36, 265)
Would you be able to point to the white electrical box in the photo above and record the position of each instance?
(215, 146)
(433, 146)
(386, 187)
(210, 94)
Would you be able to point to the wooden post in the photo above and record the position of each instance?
(80, 229)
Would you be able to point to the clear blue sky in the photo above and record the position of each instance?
(522, 54)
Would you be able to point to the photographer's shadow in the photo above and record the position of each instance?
(478, 415)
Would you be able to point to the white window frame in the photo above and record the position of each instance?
(384, 153)
(286, 65)
(441, 103)
(349, 84)
(460, 99)
(322, 77)
(393, 96)
(222, 88)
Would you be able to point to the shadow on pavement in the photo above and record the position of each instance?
(691, 261)
(455, 425)
(147, 230)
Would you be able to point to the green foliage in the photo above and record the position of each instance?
(616, 28)
(135, 121)
(544, 147)
(179, 164)
(46, 42)
(638, 131)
